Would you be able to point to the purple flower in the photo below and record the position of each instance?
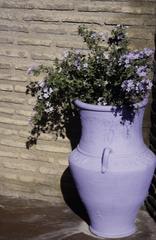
(148, 52)
(141, 71)
(128, 85)
(147, 84)
(128, 58)
(77, 64)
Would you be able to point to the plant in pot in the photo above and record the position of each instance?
(107, 85)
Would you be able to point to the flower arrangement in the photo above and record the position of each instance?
(108, 73)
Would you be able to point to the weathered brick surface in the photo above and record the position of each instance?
(37, 31)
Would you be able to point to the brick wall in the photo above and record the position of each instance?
(36, 31)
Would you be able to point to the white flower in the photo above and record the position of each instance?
(41, 83)
(50, 90)
(85, 65)
(49, 110)
(106, 55)
(45, 90)
(48, 104)
(65, 54)
(46, 95)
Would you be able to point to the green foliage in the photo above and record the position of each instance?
(109, 74)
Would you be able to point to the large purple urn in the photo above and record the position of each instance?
(112, 169)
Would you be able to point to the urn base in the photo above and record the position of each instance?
(110, 235)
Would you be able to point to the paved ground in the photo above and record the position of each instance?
(36, 220)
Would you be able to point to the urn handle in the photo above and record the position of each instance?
(105, 158)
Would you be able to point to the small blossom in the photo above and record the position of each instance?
(128, 85)
(45, 89)
(46, 95)
(141, 71)
(50, 90)
(78, 52)
(41, 83)
(85, 65)
(48, 104)
(40, 97)
(77, 65)
(106, 55)
(49, 110)
(65, 54)
(147, 84)
(94, 35)
(148, 52)
(31, 69)
(60, 70)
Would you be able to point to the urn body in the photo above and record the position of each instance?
(112, 169)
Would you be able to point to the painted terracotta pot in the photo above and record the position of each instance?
(112, 169)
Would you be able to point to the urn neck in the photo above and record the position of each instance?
(102, 129)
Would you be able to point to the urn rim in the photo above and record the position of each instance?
(106, 108)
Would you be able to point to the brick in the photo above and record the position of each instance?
(11, 99)
(51, 148)
(19, 88)
(56, 29)
(21, 68)
(77, 43)
(12, 143)
(37, 157)
(24, 113)
(13, 28)
(16, 189)
(48, 191)
(63, 162)
(6, 87)
(7, 174)
(47, 137)
(40, 56)
(47, 170)
(20, 165)
(140, 33)
(13, 53)
(31, 101)
(5, 66)
(17, 122)
(5, 40)
(8, 154)
(19, 79)
(7, 132)
(7, 110)
(34, 42)
(26, 178)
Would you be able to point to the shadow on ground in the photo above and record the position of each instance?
(71, 196)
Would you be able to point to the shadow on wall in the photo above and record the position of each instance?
(151, 199)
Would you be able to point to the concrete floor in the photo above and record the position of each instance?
(37, 220)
